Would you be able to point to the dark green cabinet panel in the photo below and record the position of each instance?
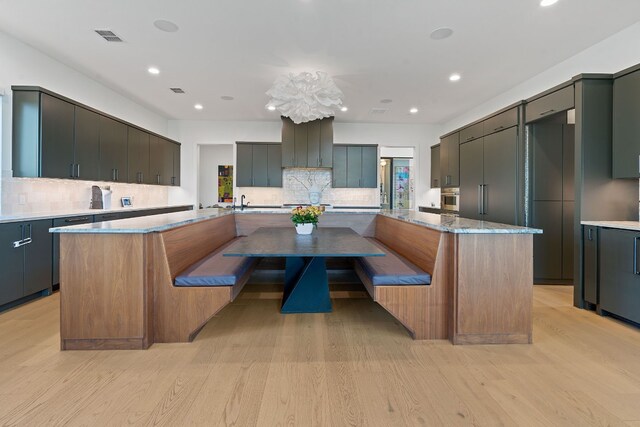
(56, 130)
(450, 160)
(175, 179)
(547, 247)
(435, 166)
(339, 171)
(471, 179)
(590, 264)
(11, 261)
(258, 165)
(547, 158)
(38, 257)
(567, 240)
(87, 144)
(307, 144)
(548, 105)
(626, 126)
(25, 259)
(619, 273)
(500, 176)
(501, 121)
(472, 132)
(113, 150)
(160, 161)
(355, 166)
(61, 222)
(137, 156)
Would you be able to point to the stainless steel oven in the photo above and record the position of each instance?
(450, 200)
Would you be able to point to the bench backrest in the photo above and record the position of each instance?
(186, 245)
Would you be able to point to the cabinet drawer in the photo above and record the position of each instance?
(501, 121)
(472, 132)
(555, 102)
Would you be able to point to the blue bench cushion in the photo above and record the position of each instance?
(392, 269)
(215, 270)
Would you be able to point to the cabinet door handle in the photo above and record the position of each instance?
(479, 199)
(589, 236)
(117, 174)
(484, 205)
(544, 113)
(638, 164)
(498, 128)
(635, 256)
(158, 179)
(78, 170)
(173, 180)
(71, 169)
(321, 161)
(113, 174)
(72, 220)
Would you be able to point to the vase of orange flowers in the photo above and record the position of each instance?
(305, 219)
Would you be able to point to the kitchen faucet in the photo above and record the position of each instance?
(242, 205)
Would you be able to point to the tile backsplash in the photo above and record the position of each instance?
(30, 195)
(298, 183)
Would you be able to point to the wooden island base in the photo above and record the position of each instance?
(117, 289)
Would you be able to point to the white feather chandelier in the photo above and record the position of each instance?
(305, 96)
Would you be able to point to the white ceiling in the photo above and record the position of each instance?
(374, 49)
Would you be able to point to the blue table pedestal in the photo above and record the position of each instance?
(306, 287)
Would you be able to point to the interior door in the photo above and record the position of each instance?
(471, 178)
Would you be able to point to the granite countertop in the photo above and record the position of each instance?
(622, 225)
(63, 214)
(457, 225)
(287, 210)
(145, 224)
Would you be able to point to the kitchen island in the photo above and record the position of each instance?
(117, 277)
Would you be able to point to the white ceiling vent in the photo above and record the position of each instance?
(378, 110)
(176, 90)
(108, 35)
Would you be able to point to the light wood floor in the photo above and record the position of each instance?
(355, 366)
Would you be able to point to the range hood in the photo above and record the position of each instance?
(307, 145)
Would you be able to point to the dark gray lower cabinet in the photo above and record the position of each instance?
(25, 258)
(620, 273)
(590, 263)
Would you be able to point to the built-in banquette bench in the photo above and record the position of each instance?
(122, 282)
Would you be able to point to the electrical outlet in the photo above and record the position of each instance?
(22, 199)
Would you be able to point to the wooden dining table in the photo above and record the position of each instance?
(306, 287)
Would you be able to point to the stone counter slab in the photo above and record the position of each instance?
(622, 225)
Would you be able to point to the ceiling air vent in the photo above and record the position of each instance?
(378, 111)
(108, 35)
(176, 90)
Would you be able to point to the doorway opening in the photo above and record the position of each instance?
(396, 178)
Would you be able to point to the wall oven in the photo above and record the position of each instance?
(450, 200)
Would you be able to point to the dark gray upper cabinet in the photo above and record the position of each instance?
(113, 150)
(591, 281)
(450, 160)
(307, 144)
(57, 128)
(626, 126)
(550, 104)
(25, 259)
(55, 137)
(501, 121)
(619, 273)
(175, 179)
(138, 156)
(435, 166)
(355, 166)
(160, 161)
(87, 144)
(472, 132)
(258, 165)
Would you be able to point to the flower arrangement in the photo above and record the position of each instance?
(306, 215)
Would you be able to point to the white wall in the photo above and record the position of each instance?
(21, 64)
(210, 157)
(193, 133)
(620, 51)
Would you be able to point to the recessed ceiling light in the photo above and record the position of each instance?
(545, 3)
(386, 101)
(198, 107)
(153, 70)
(441, 33)
(343, 109)
(414, 110)
(454, 77)
(227, 97)
(166, 26)
(271, 108)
